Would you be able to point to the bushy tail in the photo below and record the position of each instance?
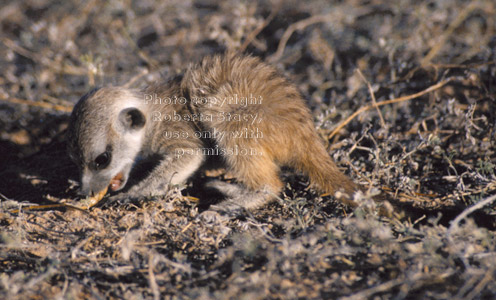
(324, 173)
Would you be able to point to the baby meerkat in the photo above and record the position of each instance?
(233, 107)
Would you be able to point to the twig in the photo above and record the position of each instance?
(135, 78)
(52, 99)
(300, 25)
(50, 64)
(267, 233)
(152, 63)
(488, 277)
(387, 286)
(465, 66)
(5, 198)
(466, 212)
(372, 95)
(37, 104)
(444, 37)
(252, 35)
(48, 206)
(391, 101)
(186, 227)
(151, 277)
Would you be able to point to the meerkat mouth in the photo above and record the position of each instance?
(116, 182)
(114, 185)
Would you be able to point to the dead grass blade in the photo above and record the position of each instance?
(391, 101)
(252, 35)
(466, 212)
(300, 25)
(36, 104)
(444, 37)
(372, 95)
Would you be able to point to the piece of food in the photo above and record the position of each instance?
(92, 201)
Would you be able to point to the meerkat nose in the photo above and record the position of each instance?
(86, 192)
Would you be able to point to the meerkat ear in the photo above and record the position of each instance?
(132, 118)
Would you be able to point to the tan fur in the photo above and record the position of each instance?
(289, 137)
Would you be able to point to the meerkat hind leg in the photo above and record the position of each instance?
(254, 190)
(239, 197)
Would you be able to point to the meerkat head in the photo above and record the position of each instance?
(105, 135)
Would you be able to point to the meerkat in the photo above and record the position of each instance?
(236, 108)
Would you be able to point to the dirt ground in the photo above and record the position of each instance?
(402, 91)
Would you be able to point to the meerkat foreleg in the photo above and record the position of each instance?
(172, 170)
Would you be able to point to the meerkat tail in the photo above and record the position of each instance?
(325, 174)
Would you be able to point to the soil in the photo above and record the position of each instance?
(431, 149)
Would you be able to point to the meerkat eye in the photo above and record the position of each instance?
(102, 160)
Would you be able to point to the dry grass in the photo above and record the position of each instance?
(405, 91)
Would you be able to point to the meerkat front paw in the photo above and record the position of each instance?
(122, 198)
